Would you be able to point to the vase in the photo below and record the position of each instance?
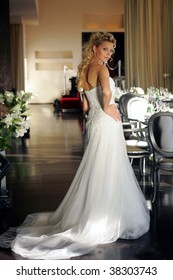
(5, 199)
(3, 181)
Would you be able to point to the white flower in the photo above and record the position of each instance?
(27, 96)
(9, 96)
(20, 121)
(16, 121)
(8, 120)
(20, 94)
(16, 109)
(27, 125)
(20, 131)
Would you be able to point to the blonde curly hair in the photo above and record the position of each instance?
(96, 39)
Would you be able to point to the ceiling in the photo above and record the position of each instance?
(25, 11)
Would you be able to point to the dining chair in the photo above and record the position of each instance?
(137, 148)
(133, 108)
(134, 129)
(123, 101)
(137, 108)
(160, 135)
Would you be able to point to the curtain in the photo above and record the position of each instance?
(17, 56)
(148, 43)
(168, 42)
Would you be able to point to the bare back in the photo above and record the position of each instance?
(93, 75)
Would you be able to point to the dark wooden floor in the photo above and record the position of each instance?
(41, 169)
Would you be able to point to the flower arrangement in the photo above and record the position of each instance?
(14, 116)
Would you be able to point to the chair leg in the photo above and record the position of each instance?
(142, 166)
(152, 175)
(156, 183)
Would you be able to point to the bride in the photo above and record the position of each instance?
(104, 202)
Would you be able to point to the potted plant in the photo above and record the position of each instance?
(14, 121)
(14, 116)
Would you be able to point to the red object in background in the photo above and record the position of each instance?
(71, 103)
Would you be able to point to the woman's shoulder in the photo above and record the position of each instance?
(97, 66)
(95, 70)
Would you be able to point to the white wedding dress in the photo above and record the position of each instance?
(103, 203)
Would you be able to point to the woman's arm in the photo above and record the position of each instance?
(85, 103)
(110, 109)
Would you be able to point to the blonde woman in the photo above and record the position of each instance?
(104, 202)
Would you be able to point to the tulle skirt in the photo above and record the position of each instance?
(103, 203)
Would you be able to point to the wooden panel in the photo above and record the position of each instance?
(53, 54)
(47, 66)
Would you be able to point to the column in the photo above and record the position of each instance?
(5, 62)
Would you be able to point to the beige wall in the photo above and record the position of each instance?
(59, 30)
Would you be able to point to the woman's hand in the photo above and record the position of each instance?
(113, 111)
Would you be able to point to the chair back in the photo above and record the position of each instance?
(137, 108)
(160, 133)
(123, 101)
